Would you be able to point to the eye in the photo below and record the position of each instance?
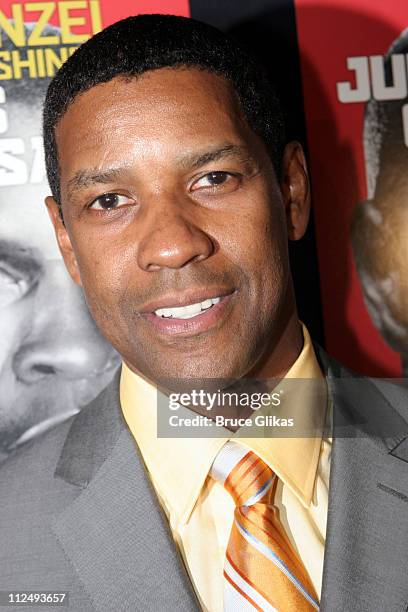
(217, 181)
(110, 201)
(12, 287)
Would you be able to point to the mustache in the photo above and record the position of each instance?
(176, 281)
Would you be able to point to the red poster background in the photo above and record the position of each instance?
(328, 33)
(113, 11)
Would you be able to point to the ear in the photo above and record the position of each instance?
(295, 190)
(63, 239)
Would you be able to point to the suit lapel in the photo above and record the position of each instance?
(366, 553)
(114, 532)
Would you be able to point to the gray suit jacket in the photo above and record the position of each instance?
(77, 512)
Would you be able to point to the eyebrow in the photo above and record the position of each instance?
(86, 178)
(220, 152)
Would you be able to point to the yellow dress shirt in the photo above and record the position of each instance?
(200, 511)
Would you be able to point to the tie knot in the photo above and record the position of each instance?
(244, 475)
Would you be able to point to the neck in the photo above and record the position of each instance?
(282, 351)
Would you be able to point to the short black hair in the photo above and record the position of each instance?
(148, 42)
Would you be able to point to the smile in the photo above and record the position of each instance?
(187, 312)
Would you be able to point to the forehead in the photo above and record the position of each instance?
(189, 87)
(159, 112)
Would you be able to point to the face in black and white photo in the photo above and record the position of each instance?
(53, 360)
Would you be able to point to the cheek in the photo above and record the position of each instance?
(15, 323)
(257, 242)
(104, 269)
(8, 330)
(112, 283)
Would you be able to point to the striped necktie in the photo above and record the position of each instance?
(262, 570)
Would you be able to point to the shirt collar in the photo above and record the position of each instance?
(179, 467)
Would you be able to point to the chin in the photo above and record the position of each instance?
(199, 375)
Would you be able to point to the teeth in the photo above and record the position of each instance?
(186, 312)
(206, 304)
(165, 312)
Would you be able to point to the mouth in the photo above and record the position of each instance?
(189, 311)
(189, 314)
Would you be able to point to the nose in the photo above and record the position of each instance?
(170, 238)
(63, 343)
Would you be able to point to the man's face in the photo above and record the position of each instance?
(177, 224)
(52, 359)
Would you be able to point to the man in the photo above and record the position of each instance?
(174, 193)
(380, 224)
(52, 359)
